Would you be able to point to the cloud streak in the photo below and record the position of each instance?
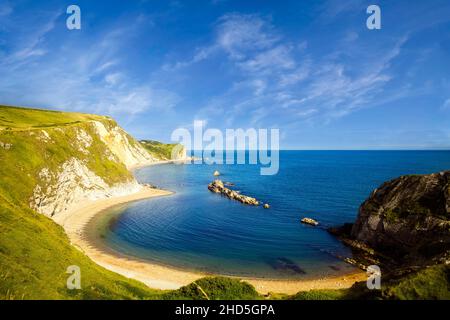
(85, 76)
(281, 80)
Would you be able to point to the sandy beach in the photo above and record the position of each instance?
(84, 237)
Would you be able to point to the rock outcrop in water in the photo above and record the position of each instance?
(406, 219)
(309, 221)
(408, 216)
(217, 186)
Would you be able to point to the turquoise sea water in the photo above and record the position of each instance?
(198, 230)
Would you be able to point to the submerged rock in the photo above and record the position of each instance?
(335, 268)
(266, 206)
(285, 264)
(217, 186)
(309, 221)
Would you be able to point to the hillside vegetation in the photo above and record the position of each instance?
(160, 150)
(15, 118)
(31, 149)
(35, 252)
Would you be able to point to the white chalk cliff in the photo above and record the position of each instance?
(63, 187)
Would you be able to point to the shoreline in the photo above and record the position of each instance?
(78, 227)
(150, 164)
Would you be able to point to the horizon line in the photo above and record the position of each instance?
(343, 149)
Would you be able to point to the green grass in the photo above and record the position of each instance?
(320, 295)
(35, 252)
(215, 288)
(31, 152)
(159, 150)
(16, 118)
(430, 283)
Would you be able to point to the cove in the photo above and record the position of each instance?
(197, 230)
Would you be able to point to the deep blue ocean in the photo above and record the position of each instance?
(198, 230)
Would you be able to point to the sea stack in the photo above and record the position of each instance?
(310, 221)
(217, 186)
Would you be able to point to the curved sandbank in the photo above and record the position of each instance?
(88, 240)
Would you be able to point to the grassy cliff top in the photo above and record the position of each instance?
(158, 149)
(17, 118)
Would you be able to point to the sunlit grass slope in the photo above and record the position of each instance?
(16, 118)
(158, 149)
(34, 251)
(39, 139)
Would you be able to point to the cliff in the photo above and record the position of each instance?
(53, 160)
(407, 218)
(404, 227)
(165, 151)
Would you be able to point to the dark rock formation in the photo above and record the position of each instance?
(407, 219)
(217, 186)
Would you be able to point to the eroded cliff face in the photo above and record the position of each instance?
(93, 162)
(60, 190)
(408, 217)
(179, 153)
(123, 146)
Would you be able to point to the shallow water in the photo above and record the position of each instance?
(197, 230)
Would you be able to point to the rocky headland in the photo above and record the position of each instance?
(404, 222)
(217, 186)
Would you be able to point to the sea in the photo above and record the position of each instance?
(197, 230)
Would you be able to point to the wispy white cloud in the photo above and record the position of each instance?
(283, 79)
(333, 8)
(30, 45)
(299, 74)
(87, 76)
(200, 55)
(240, 35)
(265, 61)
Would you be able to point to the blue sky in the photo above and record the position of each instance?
(310, 68)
